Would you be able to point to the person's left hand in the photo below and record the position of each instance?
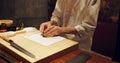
(52, 31)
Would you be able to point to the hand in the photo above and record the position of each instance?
(56, 30)
(46, 25)
(52, 31)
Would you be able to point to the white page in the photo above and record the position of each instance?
(44, 40)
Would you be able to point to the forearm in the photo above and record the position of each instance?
(69, 30)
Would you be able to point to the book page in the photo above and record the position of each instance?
(46, 41)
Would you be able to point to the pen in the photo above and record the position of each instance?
(13, 44)
(16, 46)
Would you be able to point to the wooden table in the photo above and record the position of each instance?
(94, 58)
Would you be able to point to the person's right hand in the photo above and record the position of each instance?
(44, 26)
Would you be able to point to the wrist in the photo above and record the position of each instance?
(68, 30)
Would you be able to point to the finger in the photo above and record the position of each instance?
(48, 29)
(49, 35)
(42, 28)
(52, 32)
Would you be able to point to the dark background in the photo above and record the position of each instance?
(29, 12)
(106, 37)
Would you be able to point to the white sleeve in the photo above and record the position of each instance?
(90, 19)
(57, 13)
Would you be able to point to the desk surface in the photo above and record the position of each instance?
(41, 52)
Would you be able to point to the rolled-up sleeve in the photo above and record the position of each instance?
(90, 17)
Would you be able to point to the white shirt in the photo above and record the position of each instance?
(81, 14)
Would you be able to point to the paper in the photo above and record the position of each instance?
(44, 40)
